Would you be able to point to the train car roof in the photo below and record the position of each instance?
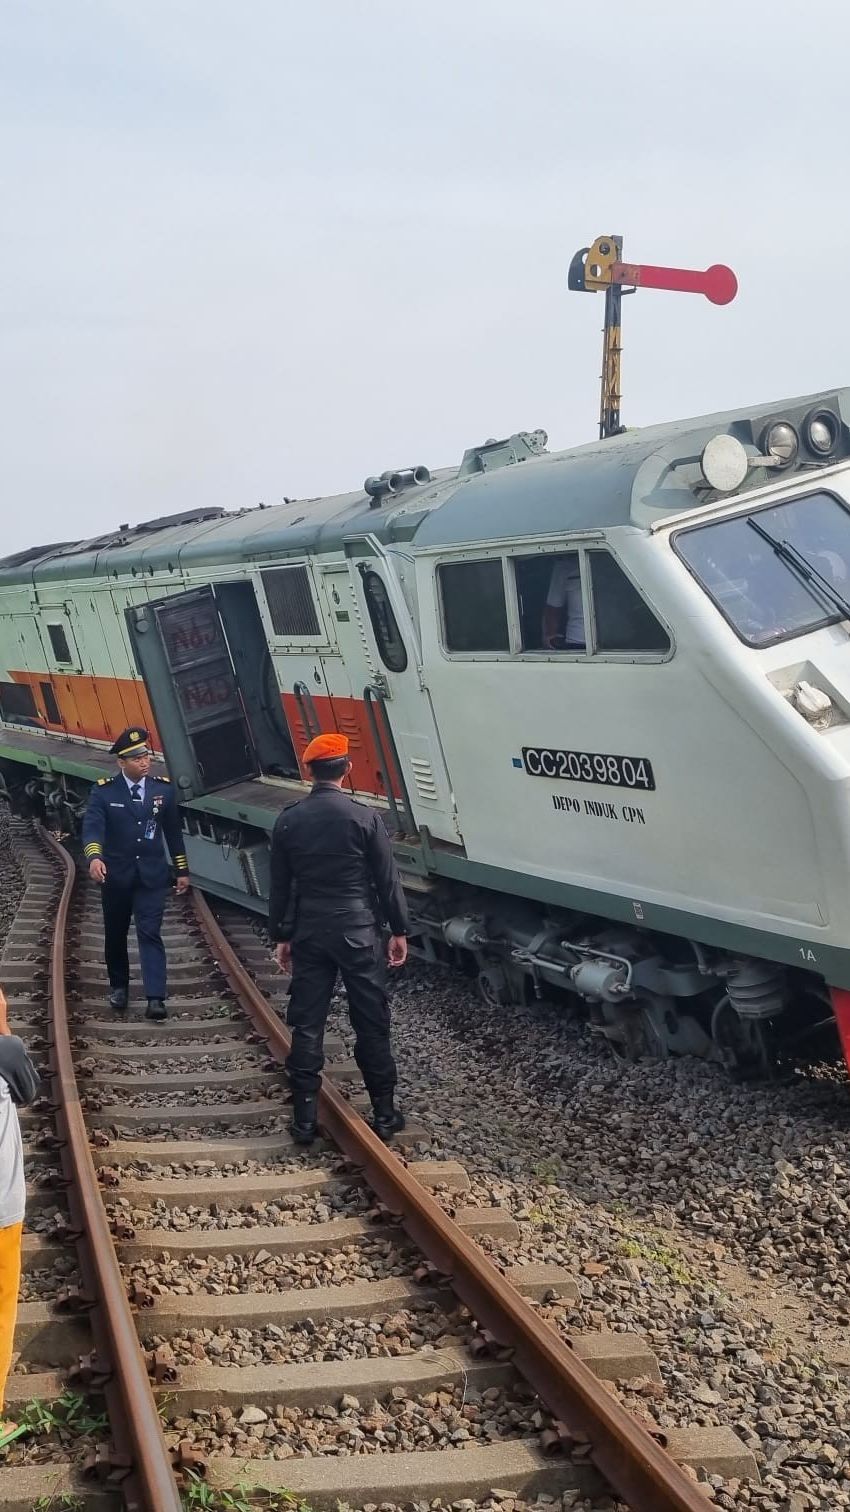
(503, 490)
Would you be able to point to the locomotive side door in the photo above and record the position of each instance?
(348, 670)
(398, 701)
(185, 661)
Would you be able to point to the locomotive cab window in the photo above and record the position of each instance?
(384, 624)
(475, 615)
(622, 620)
(781, 570)
(550, 602)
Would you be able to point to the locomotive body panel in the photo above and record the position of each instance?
(678, 759)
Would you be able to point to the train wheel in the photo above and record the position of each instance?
(633, 1031)
(500, 988)
(743, 1044)
(652, 1027)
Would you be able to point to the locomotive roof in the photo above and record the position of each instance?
(631, 479)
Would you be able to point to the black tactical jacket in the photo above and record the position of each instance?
(331, 866)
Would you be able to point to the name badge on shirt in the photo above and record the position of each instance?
(150, 829)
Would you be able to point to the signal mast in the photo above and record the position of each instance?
(601, 267)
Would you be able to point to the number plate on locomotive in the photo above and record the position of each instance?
(589, 766)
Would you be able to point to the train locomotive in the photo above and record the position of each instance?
(601, 698)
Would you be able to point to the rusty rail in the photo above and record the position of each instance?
(632, 1460)
(150, 1462)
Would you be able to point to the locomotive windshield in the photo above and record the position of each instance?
(779, 571)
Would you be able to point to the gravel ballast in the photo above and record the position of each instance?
(708, 1216)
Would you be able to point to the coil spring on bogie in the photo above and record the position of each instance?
(757, 989)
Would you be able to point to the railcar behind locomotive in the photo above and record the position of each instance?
(601, 698)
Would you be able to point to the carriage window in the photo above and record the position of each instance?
(290, 601)
(59, 642)
(624, 622)
(17, 702)
(475, 616)
(384, 623)
(550, 602)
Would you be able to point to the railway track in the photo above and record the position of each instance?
(312, 1327)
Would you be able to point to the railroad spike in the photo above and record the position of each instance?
(140, 1296)
(90, 1370)
(551, 1443)
(53, 1181)
(62, 1232)
(72, 1300)
(104, 1464)
(185, 1457)
(161, 1365)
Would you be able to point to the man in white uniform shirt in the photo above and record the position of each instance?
(563, 615)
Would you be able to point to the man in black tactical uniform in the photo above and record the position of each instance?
(337, 855)
(123, 828)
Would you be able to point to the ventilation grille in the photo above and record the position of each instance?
(423, 776)
(347, 725)
(290, 601)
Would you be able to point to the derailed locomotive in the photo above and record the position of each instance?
(601, 697)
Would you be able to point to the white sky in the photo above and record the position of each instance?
(263, 247)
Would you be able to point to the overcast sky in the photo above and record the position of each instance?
(263, 247)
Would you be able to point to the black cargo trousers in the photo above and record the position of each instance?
(319, 955)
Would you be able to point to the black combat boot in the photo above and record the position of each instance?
(305, 1108)
(156, 1009)
(388, 1119)
(118, 999)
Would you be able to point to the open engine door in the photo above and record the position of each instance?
(183, 656)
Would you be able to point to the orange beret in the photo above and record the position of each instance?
(326, 748)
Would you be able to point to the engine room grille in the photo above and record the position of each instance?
(290, 601)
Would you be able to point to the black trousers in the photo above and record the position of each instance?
(358, 954)
(146, 905)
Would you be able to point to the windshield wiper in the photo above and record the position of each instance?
(810, 575)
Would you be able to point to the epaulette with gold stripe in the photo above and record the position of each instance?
(103, 781)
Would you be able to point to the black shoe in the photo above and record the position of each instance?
(118, 998)
(304, 1127)
(156, 1009)
(388, 1119)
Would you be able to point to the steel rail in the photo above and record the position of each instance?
(631, 1459)
(151, 1461)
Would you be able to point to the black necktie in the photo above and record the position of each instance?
(136, 793)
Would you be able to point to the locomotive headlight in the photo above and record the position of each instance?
(781, 442)
(821, 431)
